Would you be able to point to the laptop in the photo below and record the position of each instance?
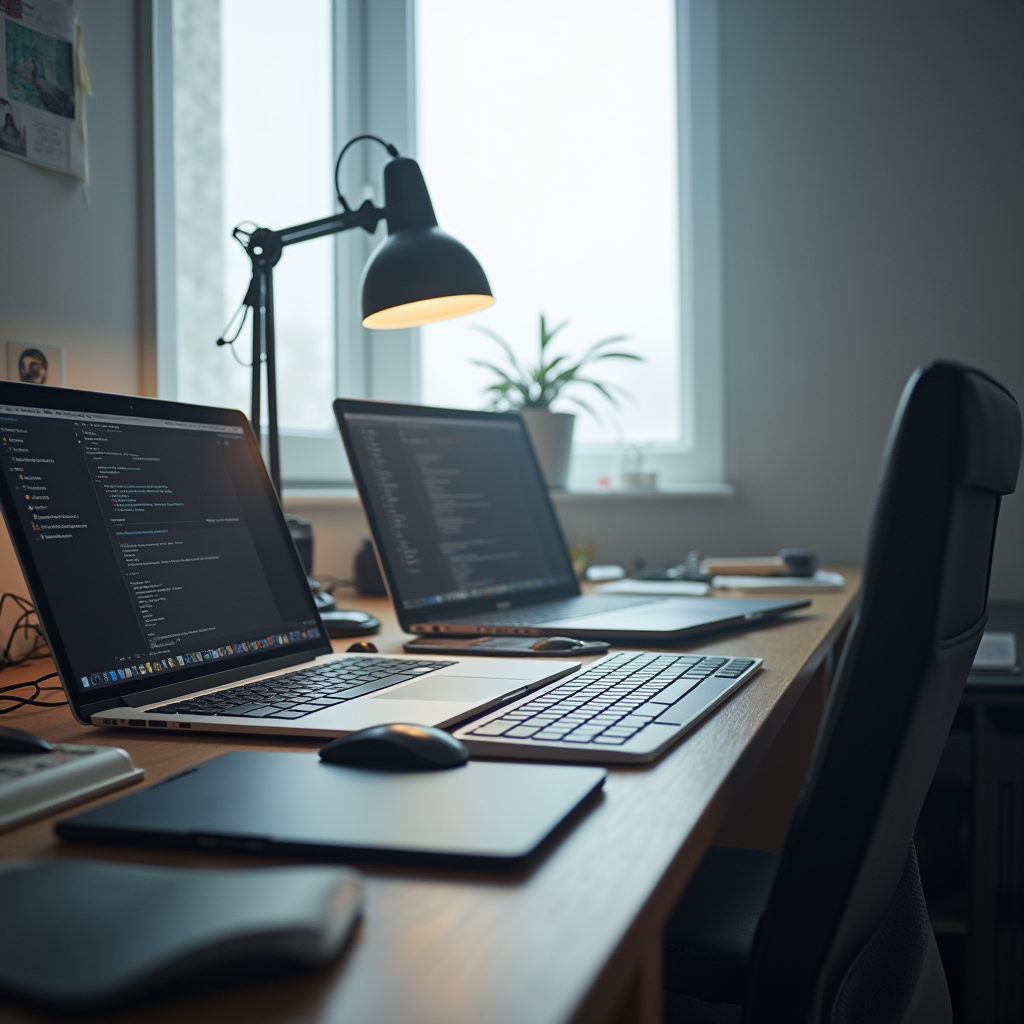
(469, 543)
(170, 591)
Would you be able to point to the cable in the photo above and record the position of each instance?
(33, 701)
(30, 630)
(344, 149)
(230, 342)
(39, 649)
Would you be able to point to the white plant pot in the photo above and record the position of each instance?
(551, 435)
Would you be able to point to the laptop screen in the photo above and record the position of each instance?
(460, 514)
(155, 544)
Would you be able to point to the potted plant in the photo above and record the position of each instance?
(531, 390)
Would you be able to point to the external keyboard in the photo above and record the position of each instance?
(32, 784)
(635, 703)
(296, 694)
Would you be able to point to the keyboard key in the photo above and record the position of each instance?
(498, 728)
(242, 709)
(380, 684)
(288, 714)
(610, 741)
(522, 732)
(631, 722)
(672, 693)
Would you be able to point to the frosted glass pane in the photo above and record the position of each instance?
(278, 161)
(548, 137)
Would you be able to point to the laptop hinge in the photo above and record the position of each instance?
(88, 710)
(195, 684)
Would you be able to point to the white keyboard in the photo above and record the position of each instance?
(34, 785)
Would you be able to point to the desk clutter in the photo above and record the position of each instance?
(792, 570)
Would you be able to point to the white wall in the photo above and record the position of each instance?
(69, 251)
(873, 218)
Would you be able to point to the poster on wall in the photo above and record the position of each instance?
(43, 84)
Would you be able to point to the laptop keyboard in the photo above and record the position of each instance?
(297, 694)
(605, 706)
(571, 608)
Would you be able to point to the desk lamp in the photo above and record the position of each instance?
(417, 275)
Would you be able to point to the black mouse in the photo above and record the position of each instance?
(409, 747)
(15, 741)
(349, 622)
(558, 643)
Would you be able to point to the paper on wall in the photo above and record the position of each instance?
(43, 84)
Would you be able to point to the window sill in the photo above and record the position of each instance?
(342, 497)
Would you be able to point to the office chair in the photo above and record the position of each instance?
(836, 929)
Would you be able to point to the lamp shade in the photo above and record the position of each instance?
(418, 273)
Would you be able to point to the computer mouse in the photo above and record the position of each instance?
(349, 622)
(17, 741)
(361, 647)
(397, 746)
(558, 643)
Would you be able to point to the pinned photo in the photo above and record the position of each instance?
(35, 364)
(40, 70)
(12, 128)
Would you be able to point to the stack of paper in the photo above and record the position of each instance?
(821, 580)
(656, 588)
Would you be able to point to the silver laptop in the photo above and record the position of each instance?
(170, 591)
(468, 540)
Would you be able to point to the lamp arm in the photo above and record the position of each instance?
(263, 247)
(366, 217)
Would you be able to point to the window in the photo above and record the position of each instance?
(577, 159)
(258, 147)
(553, 156)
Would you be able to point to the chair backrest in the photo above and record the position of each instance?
(954, 450)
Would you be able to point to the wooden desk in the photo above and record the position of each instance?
(575, 938)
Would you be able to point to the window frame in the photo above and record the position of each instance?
(374, 91)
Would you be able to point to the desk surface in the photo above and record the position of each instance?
(574, 938)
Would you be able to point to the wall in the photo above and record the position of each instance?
(873, 218)
(873, 206)
(69, 251)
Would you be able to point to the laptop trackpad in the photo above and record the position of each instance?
(466, 689)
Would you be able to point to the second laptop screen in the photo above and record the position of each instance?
(459, 506)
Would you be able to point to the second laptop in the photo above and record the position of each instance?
(468, 539)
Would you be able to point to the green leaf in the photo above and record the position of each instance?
(546, 335)
(506, 347)
(494, 369)
(618, 355)
(583, 405)
(606, 389)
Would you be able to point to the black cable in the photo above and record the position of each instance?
(32, 701)
(23, 625)
(230, 342)
(39, 648)
(344, 149)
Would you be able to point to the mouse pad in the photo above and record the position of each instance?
(294, 804)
